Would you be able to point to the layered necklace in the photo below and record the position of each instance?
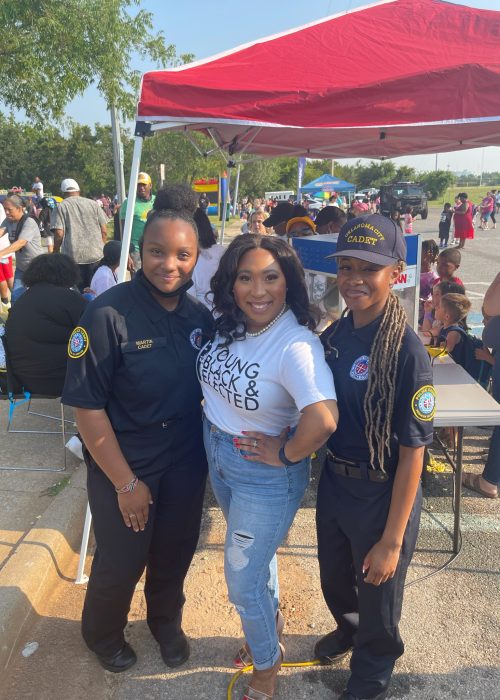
(269, 325)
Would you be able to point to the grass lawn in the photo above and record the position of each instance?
(475, 194)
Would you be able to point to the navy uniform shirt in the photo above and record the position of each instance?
(135, 359)
(414, 401)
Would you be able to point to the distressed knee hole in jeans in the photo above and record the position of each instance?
(236, 557)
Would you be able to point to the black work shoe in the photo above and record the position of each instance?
(346, 695)
(121, 661)
(176, 651)
(331, 648)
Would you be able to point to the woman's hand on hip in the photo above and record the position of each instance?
(262, 448)
(134, 506)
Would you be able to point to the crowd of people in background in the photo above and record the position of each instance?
(259, 215)
(78, 227)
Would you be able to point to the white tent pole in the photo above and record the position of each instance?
(236, 188)
(80, 576)
(132, 190)
(224, 206)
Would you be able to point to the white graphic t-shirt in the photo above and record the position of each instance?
(263, 383)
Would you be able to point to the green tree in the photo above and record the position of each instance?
(437, 182)
(406, 174)
(182, 161)
(51, 51)
(375, 174)
(288, 173)
(261, 176)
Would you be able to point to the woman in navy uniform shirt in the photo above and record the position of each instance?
(132, 378)
(369, 496)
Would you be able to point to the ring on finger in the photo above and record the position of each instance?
(255, 443)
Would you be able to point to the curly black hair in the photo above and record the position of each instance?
(50, 268)
(431, 247)
(206, 233)
(171, 215)
(176, 197)
(231, 324)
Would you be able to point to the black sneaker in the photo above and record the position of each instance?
(332, 647)
(175, 651)
(119, 662)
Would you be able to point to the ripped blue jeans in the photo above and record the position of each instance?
(259, 503)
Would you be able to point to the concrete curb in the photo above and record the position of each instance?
(43, 556)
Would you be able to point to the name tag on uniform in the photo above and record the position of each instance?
(143, 344)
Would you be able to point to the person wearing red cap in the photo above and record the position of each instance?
(143, 204)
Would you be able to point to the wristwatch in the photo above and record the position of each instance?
(284, 459)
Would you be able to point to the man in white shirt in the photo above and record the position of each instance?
(37, 188)
(80, 230)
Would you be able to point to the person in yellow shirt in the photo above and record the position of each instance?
(143, 205)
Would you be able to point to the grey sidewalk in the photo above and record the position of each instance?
(450, 622)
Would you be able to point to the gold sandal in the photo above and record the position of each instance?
(267, 678)
(244, 657)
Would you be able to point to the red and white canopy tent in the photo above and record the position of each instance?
(399, 77)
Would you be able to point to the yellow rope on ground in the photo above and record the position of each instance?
(435, 465)
(296, 664)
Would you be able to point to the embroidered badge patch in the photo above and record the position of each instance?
(78, 343)
(359, 369)
(423, 403)
(195, 338)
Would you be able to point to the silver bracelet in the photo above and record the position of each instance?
(128, 488)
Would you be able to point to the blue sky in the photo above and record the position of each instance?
(206, 28)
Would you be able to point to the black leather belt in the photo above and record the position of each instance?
(353, 470)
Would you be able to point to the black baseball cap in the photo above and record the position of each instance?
(328, 214)
(373, 238)
(281, 213)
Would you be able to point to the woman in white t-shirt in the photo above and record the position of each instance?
(269, 403)
(105, 275)
(210, 252)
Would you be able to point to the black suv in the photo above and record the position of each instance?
(401, 194)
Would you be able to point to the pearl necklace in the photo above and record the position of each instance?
(269, 325)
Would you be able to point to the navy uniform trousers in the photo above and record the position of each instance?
(351, 516)
(172, 462)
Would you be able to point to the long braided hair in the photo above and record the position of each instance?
(378, 403)
(379, 398)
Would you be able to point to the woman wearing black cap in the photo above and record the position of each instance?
(369, 495)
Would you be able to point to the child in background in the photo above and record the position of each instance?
(428, 275)
(429, 322)
(452, 313)
(444, 225)
(395, 215)
(448, 263)
(105, 275)
(409, 219)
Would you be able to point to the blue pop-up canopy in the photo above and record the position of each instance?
(328, 183)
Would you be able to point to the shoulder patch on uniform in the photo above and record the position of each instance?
(423, 403)
(78, 343)
(195, 338)
(359, 369)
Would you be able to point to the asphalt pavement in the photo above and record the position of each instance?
(450, 623)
